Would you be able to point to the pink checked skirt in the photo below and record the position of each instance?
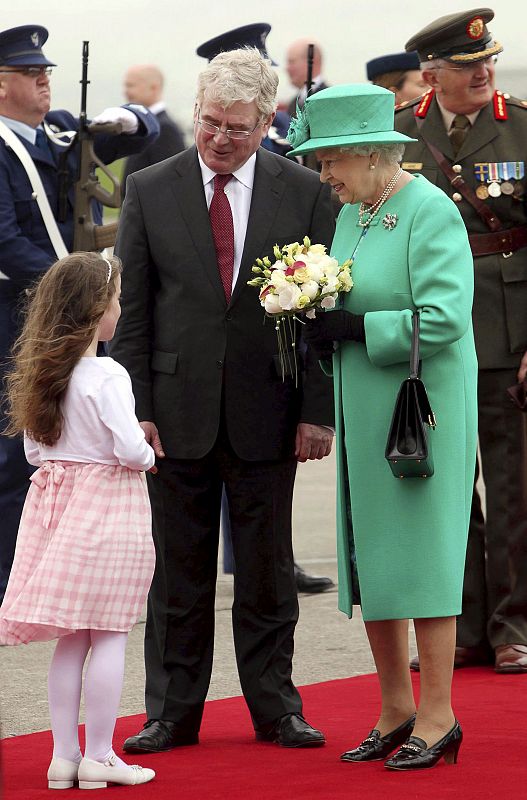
(84, 555)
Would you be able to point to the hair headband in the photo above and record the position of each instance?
(109, 269)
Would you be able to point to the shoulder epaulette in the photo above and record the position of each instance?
(514, 101)
(422, 109)
(408, 104)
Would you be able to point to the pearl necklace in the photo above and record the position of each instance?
(373, 209)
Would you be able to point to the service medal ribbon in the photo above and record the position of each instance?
(493, 172)
(481, 171)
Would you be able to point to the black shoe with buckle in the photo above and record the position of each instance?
(415, 754)
(157, 736)
(291, 730)
(376, 747)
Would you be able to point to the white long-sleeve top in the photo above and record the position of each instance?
(100, 425)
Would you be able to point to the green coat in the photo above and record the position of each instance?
(409, 536)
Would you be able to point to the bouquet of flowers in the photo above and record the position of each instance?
(303, 278)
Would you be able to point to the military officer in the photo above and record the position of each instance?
(34, 148)
(472, 142)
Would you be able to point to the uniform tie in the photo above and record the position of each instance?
(42, 142)
(220, 215)
(460, 126)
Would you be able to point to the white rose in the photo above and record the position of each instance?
(288, 297)
(328, 302)
(331, 285)
(272, 304)
(314, 271)
(278, 278)
(317, 248)
(310, 288)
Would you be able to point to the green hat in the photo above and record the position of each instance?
(462, 38)
(354, 113)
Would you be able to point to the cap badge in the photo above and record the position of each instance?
(475, 28)
(35, 41)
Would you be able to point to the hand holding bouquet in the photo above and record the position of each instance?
(303, 278)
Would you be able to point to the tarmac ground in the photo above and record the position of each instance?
(327, 644)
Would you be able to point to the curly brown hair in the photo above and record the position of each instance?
(61, 318)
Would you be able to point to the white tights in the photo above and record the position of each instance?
(103, 684)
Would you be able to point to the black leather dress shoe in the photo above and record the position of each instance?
(311, 584)
(292, 730)
(376, 747)
(415, 754)
(157, 736)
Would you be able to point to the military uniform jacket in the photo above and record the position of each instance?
(500, 296)
(25, 248)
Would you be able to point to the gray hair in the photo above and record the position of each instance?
(239, 76)
(389, 153)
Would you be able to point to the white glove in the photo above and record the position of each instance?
(128, 119)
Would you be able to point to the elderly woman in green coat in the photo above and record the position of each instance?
(406, 551)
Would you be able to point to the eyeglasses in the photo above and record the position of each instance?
(487, 62)
(31, 72)
(208, 127)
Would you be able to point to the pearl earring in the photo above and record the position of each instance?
(372, 166)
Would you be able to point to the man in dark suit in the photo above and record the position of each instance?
(480, 136)
(143, 83)
(215, 404)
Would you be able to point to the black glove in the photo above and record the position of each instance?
(334, 326)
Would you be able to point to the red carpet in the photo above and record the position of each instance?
(229, 765)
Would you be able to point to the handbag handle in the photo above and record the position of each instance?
(415, 364)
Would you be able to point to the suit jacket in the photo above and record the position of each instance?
(168, 143)
(25, 248)
(189, 354)
(500, 291)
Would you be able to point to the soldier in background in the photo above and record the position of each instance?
(47, 143)
(143, 83)
(296, 65)
(398, 72)
(473, 144)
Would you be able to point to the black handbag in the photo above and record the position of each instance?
(409, 446)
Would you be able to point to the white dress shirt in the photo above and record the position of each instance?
(239, 192)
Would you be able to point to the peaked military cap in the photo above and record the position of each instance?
(247, 36)
(461, 38)
(22, 46)
(392, 63)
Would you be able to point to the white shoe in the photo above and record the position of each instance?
(62, 774)
(95, 775)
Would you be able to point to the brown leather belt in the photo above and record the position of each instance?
(506, 241)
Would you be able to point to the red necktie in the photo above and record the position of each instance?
(220, 215)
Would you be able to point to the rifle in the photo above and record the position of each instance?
(87, 235)
(309, 79)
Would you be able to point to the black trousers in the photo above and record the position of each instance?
(179, 639)
(495, 585)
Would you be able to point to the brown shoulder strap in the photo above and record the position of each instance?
(489, 217)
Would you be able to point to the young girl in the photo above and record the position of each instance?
(84, 557)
